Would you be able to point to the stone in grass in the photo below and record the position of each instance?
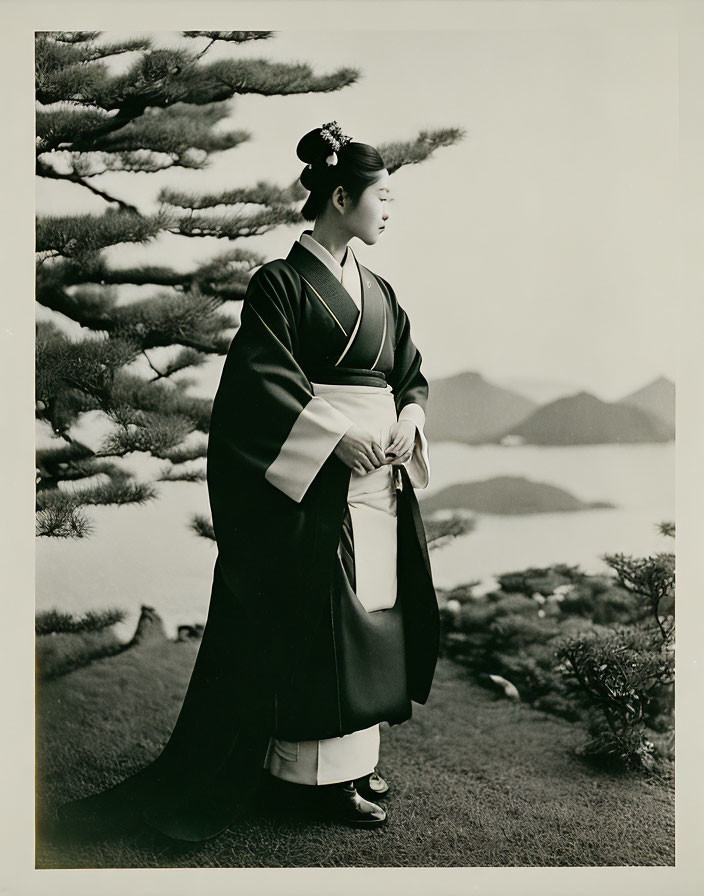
(189, 632)
(505, 686)
(150, 628)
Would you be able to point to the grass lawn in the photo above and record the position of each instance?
(475, 781)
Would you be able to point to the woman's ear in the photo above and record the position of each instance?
(338, 198)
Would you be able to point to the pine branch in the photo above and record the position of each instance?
(182, 455)
(441, 532)
(69, 375)
(186, 357)
(411, 152)
(115, 491)
(169, 475)
(227, 275)
(236, 226)
(72, 235)
(160, 398)
(44, 170)
(60, 513)
(115, 49)
(237, 37)
(93, 310)
(172, 130)
(156, 370)
(184, 383)
(67, 47)
(92, 268)
(149, 432)
(262, 193)
(224, 276)
(65, 521)
(94, 164)
(138, 276)
(60, 127)
(50, 460)
(70, 37)
(274, 79)
(162, 77)
(60, 75)
(187, 319)
(203, 527)
(51, 472)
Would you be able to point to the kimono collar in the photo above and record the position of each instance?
(349, 262)
(358, 324)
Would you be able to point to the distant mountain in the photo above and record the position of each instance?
(583, 419)
(467, 408)
(506, 495)
(657, 398)
(539, 390)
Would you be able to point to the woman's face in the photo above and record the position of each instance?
(366, 218)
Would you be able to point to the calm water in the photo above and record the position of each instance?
(148, 555)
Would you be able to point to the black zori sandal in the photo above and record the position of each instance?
(372, 786)
(342, 803)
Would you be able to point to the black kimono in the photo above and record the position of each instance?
(288, 651)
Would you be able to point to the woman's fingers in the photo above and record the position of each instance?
(400, 445)
(378, 453)
(368, 462)
(363, 453)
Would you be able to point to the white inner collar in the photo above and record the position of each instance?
(306, 239)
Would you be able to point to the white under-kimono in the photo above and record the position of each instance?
(372, 505)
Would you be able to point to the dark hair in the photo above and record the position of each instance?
(358, 166)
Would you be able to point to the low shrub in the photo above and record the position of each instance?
(65, 642)
(54, 621)
(595, 648)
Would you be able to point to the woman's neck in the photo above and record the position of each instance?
(331, 237)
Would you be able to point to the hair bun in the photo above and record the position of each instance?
(319, 149)
(312, 148)
(308, 178)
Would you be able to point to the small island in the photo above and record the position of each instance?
(507, 495)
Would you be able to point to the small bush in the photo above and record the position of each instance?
(624, 676)
(543, 580)
(65, 642)
(597, 648)
(54, 621)
(603, 604)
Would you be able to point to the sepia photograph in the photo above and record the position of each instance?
(355, 369)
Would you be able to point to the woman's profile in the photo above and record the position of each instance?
(323, 619)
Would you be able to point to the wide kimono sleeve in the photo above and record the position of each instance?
(410, 390)
(266, 423)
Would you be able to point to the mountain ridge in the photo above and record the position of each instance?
(468, 408)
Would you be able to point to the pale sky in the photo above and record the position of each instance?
(540, 249)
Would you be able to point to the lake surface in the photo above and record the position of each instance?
(148, 555)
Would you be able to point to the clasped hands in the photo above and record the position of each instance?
(359, 450)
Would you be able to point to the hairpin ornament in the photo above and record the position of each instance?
(332, 133)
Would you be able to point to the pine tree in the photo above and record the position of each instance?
(162, 112)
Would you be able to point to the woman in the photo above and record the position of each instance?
(323, 618)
